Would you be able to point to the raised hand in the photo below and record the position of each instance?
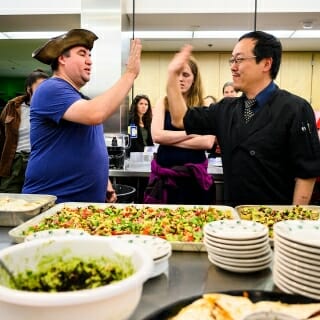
(134, 59)
(180, 59)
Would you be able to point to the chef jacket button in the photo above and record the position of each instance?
(252, 153)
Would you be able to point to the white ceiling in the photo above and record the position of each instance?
(15, 55)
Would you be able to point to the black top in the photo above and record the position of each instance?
(261, 159)
(169, 156)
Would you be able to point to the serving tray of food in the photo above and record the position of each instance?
(271, 214)
(236, 305)
(16, 208)
(180, 224)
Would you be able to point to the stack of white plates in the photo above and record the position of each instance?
(238, 245)
(159, 249)
(297, 257)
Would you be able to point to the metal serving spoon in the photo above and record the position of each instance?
(10, 274)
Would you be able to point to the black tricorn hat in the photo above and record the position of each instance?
(53, 48)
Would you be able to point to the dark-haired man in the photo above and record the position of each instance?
(268, 138)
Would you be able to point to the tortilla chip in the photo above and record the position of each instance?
(200, 309)
(216, 306)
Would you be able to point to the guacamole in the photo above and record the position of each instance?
(60, 274)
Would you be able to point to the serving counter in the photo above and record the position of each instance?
(189, 274)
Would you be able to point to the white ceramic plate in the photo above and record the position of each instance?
(297, 275)
(236, 247)
(282, 286)
(56, 233)
(235, 229)
(303, 255)
(159, 268)
(236, 253)
(157, 247)
(238, 269)
(298, 246)
(294, 287)
(296, 261)
(305, 232)
(237, 241)
(243, 261)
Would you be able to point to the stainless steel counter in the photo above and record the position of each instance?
(144, 171)
(189, 274)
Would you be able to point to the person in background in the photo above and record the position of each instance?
(69, 157)
(228, 90)
(14, 135)
(179, 171)
(140, 117)
(268, 137)
(209, 100)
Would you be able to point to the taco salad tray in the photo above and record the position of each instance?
(19, 233)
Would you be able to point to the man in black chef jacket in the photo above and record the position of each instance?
(268, 136)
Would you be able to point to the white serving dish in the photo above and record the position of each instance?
(17, 208)
(116, 301)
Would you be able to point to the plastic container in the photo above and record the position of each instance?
(125, 194)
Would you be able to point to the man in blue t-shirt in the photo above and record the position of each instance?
(68, 153)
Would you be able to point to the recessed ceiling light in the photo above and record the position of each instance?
(307, 25)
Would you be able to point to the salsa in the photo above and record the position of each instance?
(59, 274)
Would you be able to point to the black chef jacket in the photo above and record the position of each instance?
(261, 159)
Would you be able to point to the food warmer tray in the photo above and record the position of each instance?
(172, 309)
(32, 205)
(17, 233)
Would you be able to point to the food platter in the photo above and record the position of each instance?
(270, 214)
(16, 208)
(172, 309)
(19, 233)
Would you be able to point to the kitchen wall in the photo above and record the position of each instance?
(299, 73)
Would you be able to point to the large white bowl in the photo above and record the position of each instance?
(115, 301)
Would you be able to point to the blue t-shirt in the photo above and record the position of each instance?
(68, 159)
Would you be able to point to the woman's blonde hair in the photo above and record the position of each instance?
(195, 93)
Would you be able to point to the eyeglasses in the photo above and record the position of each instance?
(238, 60)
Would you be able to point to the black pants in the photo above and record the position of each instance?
(14, 183)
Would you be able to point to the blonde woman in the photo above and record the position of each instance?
(179, 171)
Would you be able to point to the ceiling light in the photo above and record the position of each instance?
(307, 25)
(306, 34)
(281, 33)
(163, 34)
(32, 35)
(218, 34)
